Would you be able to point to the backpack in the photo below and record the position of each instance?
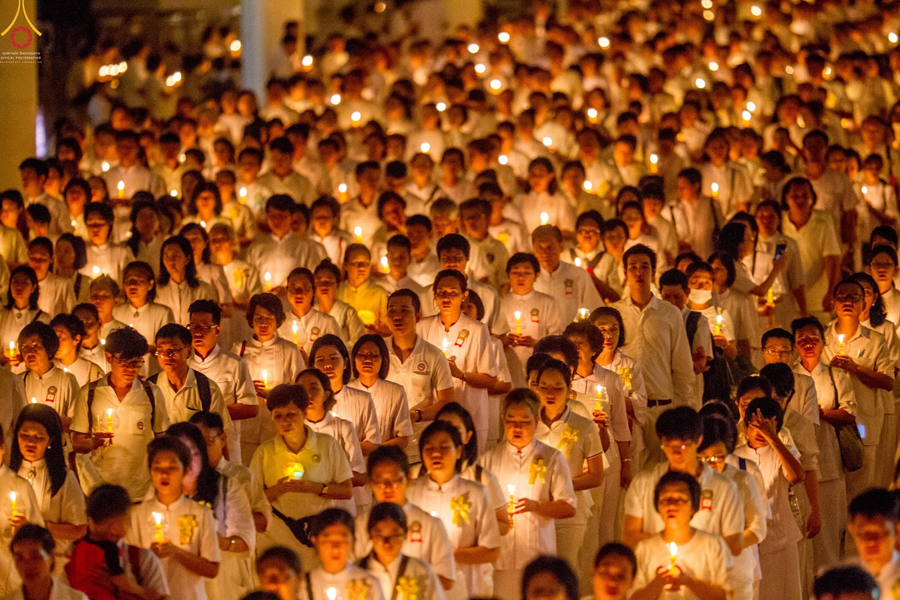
(717, 380)
(203, 389)
(92, 388)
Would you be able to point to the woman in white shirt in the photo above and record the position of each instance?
(205, 206)
(211, 273)
(641, 232)
(140, 311)
(146, 238)
(542, 198)
(103, 254)
(38, 456)
(371, 363)
(20, 310)
(69, 257)
(71, 331)
(304, 325)
(179, 285)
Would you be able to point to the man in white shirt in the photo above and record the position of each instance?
(359, 216)
(33, 173)
(657, 339)
(571, 286)
(399, 256)
(874, 517)
(228, 370)
(129, 176)
(282, 178)
(424, 264)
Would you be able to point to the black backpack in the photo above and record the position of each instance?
(717, 381)
(202, 387)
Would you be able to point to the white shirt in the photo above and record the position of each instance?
(59, 591)
(83, 370)
(391, 408)
(817, 239)
(354, 214)
(136, 178)
(185, 403)
(541, 473)
(147, 320)
(358, 407)
(560, 211)
(571, 287)
(294, 185)
(124, 459)
(346, 583)
(110, 259)
(187, 525)
(538, 317)
(310, 327)
(26, 504)
(57, 295)
(426, 583)
(348, 320)
(656, 338)
(280, 256)
(704, 558)
(179, 297)
(67, 505)
(57, 389)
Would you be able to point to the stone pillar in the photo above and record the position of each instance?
(262, 25)
(19, 79)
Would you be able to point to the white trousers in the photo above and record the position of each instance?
(827, 545)
(780, 574)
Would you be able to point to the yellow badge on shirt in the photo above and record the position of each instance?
(187, 525)
(626, 375)
(408, 588)
(461, 507)
(358, 589)
(537, 470)
(568, 440)
(239, 276)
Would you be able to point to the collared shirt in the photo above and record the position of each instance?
(243, 279)
(252, 486)
(817, 239)
(424, 271)
(96, 355)
(12, 246)
(346, 583)
(704, 557)
(109, 259)
(357, 406)
(123, 460)
(12, 321)
(343, 431)
(834, 194)
(571, 287)
(66, 506)
(469, 341)
(57, 295)
(657, 339)
(540, 473)
(348, 320)
(734, 185)
(538, 317)
(136, 178)
(702, 218)
(147, 320)
(310, 327)
(334, 243)
(26, 504)
(84, 370)
(59, 591)
(391, 285)
(632, 376)
(179, 297)
(280, 256)
(416, 573)
(187, 525)
(868, 349)
(294, 185)
(752, 490)
(613, 401)
(354, 214)
(369, 300)
(489, 298)
(488, 260)
(181, 405)
(559, 210)
(57, 389)
(391, 407)
(426, 539)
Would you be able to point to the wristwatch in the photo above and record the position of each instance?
(417, 415)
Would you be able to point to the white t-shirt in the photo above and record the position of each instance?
(703, 558)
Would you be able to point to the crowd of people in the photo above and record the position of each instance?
(595, 302)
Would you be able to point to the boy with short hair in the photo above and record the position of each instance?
(873, 519)
(489, 256)
(614, 571)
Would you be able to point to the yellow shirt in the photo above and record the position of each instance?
(369, 300)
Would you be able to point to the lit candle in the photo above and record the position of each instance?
(865, 191)
(384, 264)
(425, 147)
(96, 271)
(331, 593)
(603, 42)
(295, 328)
(12, 503)
(518, 316)
(601, 391)
(357, 234)
(268, 278)
(109, 420)
(503, 159)
(242, 195)
(441, 106)
(307, 62)
(158, 527)
(654, 163)
(503, 37)
(335, 99)
(770, 298)
(588, 185)
(104, 167)
(673, 557)
(173, 193)
(841, 344)
(102, 341)
(265, 378)
(511, 506)
(577, 262)
(545, 218)
(33, 400)
(745, 116)
(715, 190)
(356, 118)
(495, 85)
(445, 345)
(121, 187)
(583, 313)
(717, 330)
(12, 350)
(592, 114)
(342, 192)
(548, 141)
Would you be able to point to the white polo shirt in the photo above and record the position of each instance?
(179, 297)
(185, 403)
(539, 316)
(704, 557)
(343, 431)
(391, 407)
(310, 327)
(57, 389)
(26, 504)
(147, 320)
(57, 295)
(571, 287)
(252, 487)
(352, 583)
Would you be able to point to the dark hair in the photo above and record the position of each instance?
(126, 343)
(330, 400)
(32, 276)
(269, 302)
(558, 366)
(332, 340)
(70, 323)
(174, 331)
(885, 231)
(637, 250)
(768, 408)
(78, 246)
(609, 311)
(877, 314)
(209, 420)
(45, 333)
(208, 478)
(523, 258)
(205, 186)
(436, 427)
(106, 501)
(798, 324)
(470, 448)
(326, 266)
(717, 429)
(382, 349)
(794, 181)
(731, 236)
(751, 383)
(284, 554)
(674, 277)
(781, 377)
(29, 532)
(387, 511)
(190, 271)
(387, 454)
(453, 274)
(329, 517)
(875, 502)
(728, 263)
(189, 227)
(561, 345)
(210, 307)
(882, 249)
(400, 241)
(777, 334)
(554, 565)
(54, 457)
(838, 581)
(475, 300)
(284, 394)
(454, 241)
(146, 270)
(674, 478)
(407, 293)
(617, 549)
(679, 423)
(171, 444)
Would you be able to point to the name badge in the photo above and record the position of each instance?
(535, 315)
(51, 394)
(706, 500)
(461, 338)
(570, 287)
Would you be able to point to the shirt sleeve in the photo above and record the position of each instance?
(402, 423)
(238, 514)
(152, 575)
(244, 390)
(352, 449)
(209, 541)
(732, 511)
(682, 367)
(754, 507)
(590, 297)
(161, 415)
(488, 529)
(561, 481)
(340, 464)
(371, 431)
(634, 496)
(80, 417)
(73, 503)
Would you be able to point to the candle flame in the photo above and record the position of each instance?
(511, 489)
(518, 315)
(331, 593)
(841, 338)
(158, 518)
(12, 496)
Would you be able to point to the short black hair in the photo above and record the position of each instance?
(589, 332)
(454, 241)
(209, 420)
(207, 306)
(837, 581)
(407, 293)
(45, 333)
(387, 511)
(387, 454)
(673, 277)
(751, 383)
(29, 532)
(679, 423)
(102, 210)
(70, 323)
(269, 302)
(875, 502)
(126, 343)
(174, 331)
(332, 340)
(617, 549)
(637, 250)
(281, 202)
(558, 344)
(675, 477)
(436, 427)
(400, 241)
(523, 258)
(107, 501)
(777, 333)
(717, 429)
(768, 408)
(556, 566)
(781, 377)
(329, 517)
(285, 394)
(284, 554)
(169, 443)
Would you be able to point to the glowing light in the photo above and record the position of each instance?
(751, 106)
(700, 83)
(480, 69)
(756, 11)
(335, 99)
(503, 159)
(357, 233)
(545, 218)
(548, 141)
(577, 262)
(503, 37)
(173, 193)
(441, 106)
(123, 66)
(104, 71)
(235, 46)
(473, 48)
(892, 38)
(384, 262)
(104, 166)
(715, 194)
(789, 70)
(709, 15)
(706, 4)
(331, 593)
(96, 271)
(588, 186)
(495, 84)
(425, 147)
(603, 41)
(865, 190)
(307, 61)
(356, 117)
(380, 7)
(592, 113)
(713, 66)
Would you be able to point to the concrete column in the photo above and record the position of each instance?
(262, 25)
(18, 77)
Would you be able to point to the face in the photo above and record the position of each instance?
(674, 504)
(539, 178)
(39, 258)
(519, 425)
(874, 537)
(64, 256)
(67, 342)
(322, 220)
(124, 369)
(21, 287)
(333, 544)
(147, 223)
(588, 235)
(522, 278)
(264, 324)
(848, 301)
(33, 441)
(882, 268)
(675, 295)
(799, 198)
(326, 285)
(34, 354)
(9, 213)
(172, 353)
(279, 221)
(545, 586)
(398, 258)
(175, 260)
(204, 331)
(809, 343)
(358, 267)
(714, 456)
(609, 329)
(330, 361)
(547, 250)
(167, 472)
(440, 454)
(615, 239)
(474, 222)
(418, 236)
(277, 577)
(300, 293)
(453, 259)
(449, 295)
(389, 483)
(767, 220)
(137, 285)
(612, 578)
(682, 454)
(98, 229)
(91, 325)
(32, 562)
(552, 390)
(719, 274)
(368, 359)
(639, 271)
(387, 540)
(215, 444)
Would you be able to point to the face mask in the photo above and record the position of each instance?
(700, 296)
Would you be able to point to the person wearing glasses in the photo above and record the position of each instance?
(267, 354)
(680, 432)
(227, 369)
(778, 347)
(44, 382)
(117, 416)
(305, 324)
(863, 354)
(179, 383)
(387, 528)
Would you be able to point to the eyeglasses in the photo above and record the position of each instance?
(31, 348)
(387, 483)
(387, 539)
(857, 297)
(170, 352)
(134, 363)
(201, 328)
(712, 460)
(775, 352)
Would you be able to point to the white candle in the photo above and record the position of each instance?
(654, 163)
(12, 502)
(357, 234)
(331, 593)
(268, 279)
(265, 378)
(445, 345)
(518, 316)
(545, 218)
(841, 338)
(511, 505)
(715, 190)
(425, 147)
(109, 420)
(121, 187)
(158, 527)
(295, 328)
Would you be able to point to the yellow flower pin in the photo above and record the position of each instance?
(569, 438)
(537, 470)
(408, 588)
(626, 375)
(187, 525)
(460, 507)
(357, 589)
